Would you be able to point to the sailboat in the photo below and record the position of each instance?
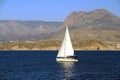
(66, 52)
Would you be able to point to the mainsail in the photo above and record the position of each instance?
(66, 48)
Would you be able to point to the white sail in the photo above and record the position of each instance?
(66, 47)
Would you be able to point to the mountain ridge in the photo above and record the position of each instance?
(101, 18)
(99, 24)
(23, 30)
(88, 31)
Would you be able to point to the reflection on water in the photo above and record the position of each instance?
(66, 65)
(68, 69)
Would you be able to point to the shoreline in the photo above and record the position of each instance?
(58, 50)
(86, 45)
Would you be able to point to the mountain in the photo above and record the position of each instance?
(99, 24)
(97, 19)
(23, 30)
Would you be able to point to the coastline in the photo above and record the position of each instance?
(55, 45)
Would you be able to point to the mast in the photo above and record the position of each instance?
(65, 41)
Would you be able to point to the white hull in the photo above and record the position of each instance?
(66, 60)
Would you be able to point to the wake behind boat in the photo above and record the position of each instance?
(66, 52)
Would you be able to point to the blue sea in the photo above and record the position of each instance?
(41, 65)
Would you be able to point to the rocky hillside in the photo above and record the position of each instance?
(88, 30)
(99, 24)
(97, 19)
(23, 30)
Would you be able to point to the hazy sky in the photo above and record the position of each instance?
(52, 10)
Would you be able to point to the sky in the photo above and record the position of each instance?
(52, 10)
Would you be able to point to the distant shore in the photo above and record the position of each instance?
(55, 45)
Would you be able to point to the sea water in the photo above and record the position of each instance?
(42, 65)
